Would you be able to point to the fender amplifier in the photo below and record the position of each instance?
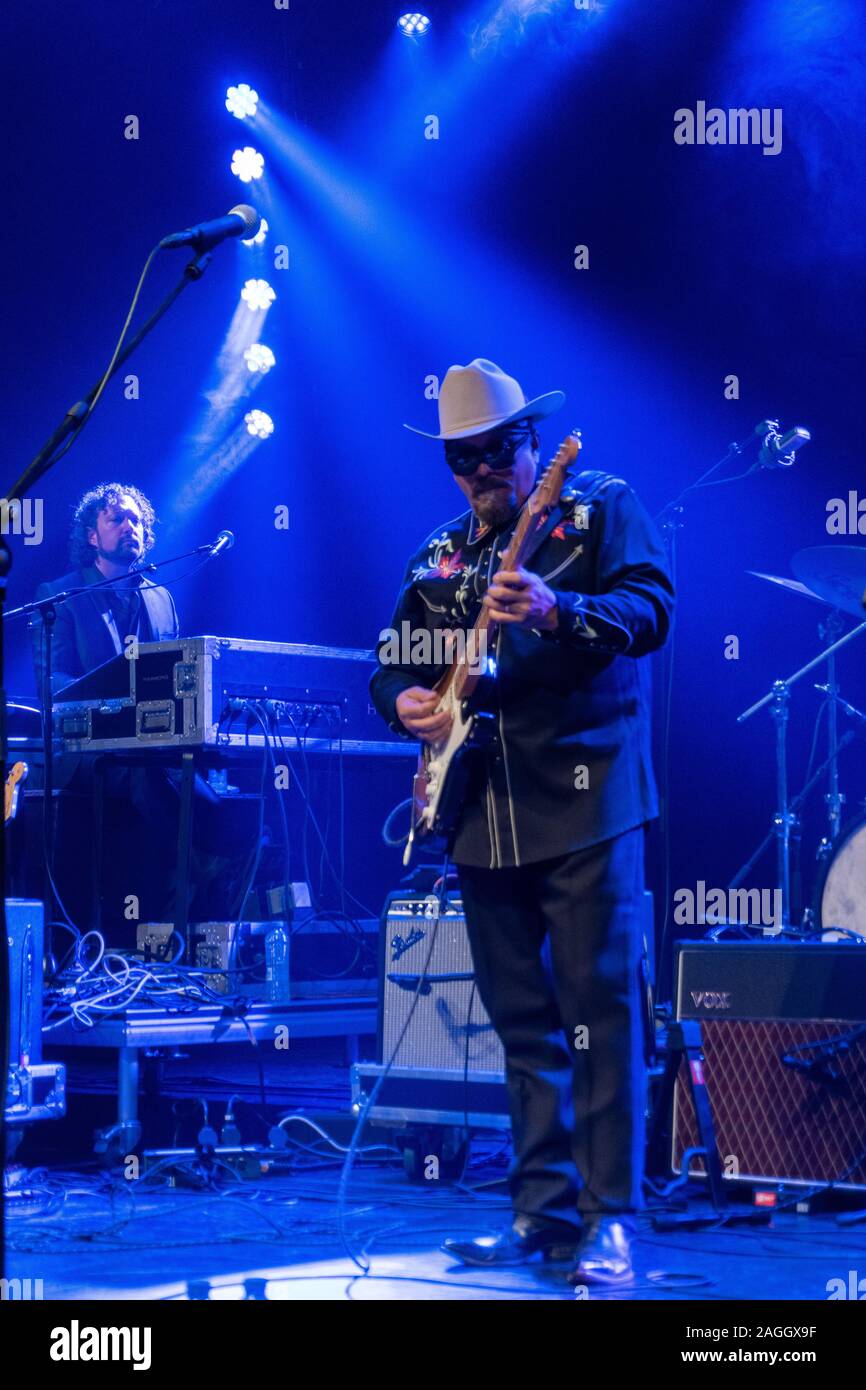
(784, 1040)
(440, 1062)
(449, 1029)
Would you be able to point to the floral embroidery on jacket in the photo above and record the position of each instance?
(570, 525)
(442, 561)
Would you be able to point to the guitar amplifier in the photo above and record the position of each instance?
(191, 692)
(447, 1066)
(784, 1040)
(449, 1028)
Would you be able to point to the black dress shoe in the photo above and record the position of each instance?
(526, 1237)
(605, 1253)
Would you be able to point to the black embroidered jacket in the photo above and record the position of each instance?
(571, 766)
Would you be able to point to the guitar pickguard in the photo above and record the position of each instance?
(444, 768)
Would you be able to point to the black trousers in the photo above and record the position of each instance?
(556, 948)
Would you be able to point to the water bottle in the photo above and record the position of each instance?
(277, 964)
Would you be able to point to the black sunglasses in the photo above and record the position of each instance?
(464, 460)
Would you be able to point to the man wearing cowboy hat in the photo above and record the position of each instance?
(549, 848)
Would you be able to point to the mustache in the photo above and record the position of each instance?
(493, 484)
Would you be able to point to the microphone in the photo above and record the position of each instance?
(240, 221)
(777, 450)
(850, 710)
(224, 541)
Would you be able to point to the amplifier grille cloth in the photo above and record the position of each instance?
(777, 1122)
(437, 1035)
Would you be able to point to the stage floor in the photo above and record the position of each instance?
(91, 1236)
(128, 1240)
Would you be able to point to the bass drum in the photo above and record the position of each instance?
(842, 893)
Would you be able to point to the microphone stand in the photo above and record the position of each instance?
(670, 521)
(76, 416)
(669, 518)
(39, 605)
(68, 428)
(47, 610)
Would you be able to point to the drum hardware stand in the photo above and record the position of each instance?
(779, 700)
(849, 709)
(834, 799)
(796, 804)
(784, 819)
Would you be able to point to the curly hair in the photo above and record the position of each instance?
(88, 508)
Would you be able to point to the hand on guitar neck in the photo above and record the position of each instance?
(521, 597)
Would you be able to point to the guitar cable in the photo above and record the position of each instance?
(367, 1102)
(392, 815)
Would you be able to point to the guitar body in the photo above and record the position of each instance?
(444, 768)
(467, 693)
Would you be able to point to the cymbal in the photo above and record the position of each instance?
(837, 574)
(793, 584)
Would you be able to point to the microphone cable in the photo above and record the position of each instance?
(111, 365)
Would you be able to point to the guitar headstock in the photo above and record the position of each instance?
(549, 486)
(17, 773)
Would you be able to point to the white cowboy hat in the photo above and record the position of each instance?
(481, 397)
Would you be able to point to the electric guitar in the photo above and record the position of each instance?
(466, 688)
(16, 774)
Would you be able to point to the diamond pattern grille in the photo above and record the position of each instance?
(777, 1122)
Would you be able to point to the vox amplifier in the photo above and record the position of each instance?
(784, 1041)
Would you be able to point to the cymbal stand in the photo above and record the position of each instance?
(784, 819)
(834, 798)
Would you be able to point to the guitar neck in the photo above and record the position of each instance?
(465, 673)
(520, 546)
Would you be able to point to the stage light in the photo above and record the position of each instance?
(248, 164)
(258, 424)
(259, 236)
(242, 100)
(259, 358)
(413, 25)
(257, 294)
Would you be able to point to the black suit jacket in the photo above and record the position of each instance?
(85, 633)
(572, 765)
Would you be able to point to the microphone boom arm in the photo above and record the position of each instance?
(77, 414)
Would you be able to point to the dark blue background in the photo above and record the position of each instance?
(408, 255)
